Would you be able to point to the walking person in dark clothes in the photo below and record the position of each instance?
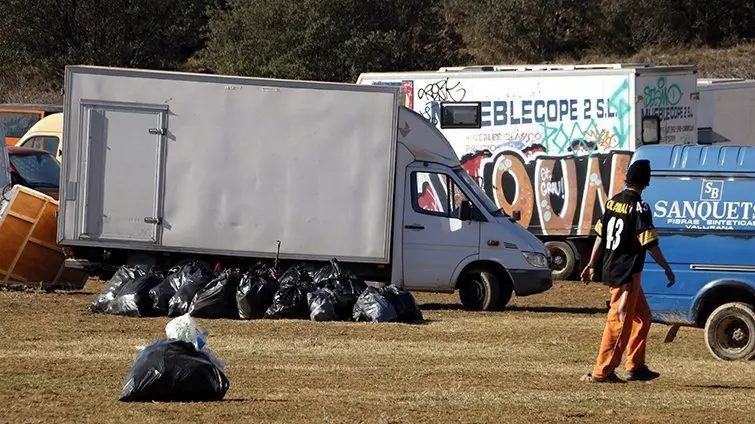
(624, 233)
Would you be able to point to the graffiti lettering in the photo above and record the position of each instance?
(662, 100)
(555, 194)
(662, 95)
(620, 103)
(547, 201)
(568, 137)
(440, 91)
(437, 92)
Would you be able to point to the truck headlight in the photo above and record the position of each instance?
(538, 260)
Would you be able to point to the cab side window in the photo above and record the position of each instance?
(436, 194)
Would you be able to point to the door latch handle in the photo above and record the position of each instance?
(151, 220)
(414, 227)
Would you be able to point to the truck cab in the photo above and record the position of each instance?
(454, 237)
(704, 213)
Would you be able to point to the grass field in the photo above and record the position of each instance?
(59, 363)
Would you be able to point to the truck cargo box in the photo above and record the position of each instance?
(147, 167)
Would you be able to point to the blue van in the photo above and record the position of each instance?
(703, 202)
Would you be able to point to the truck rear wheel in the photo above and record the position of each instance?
(564, 259)
(482, 290)
(730, 332)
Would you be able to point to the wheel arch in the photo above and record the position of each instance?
(496, 267)
(717, 293)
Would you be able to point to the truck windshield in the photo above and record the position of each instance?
(479, 193)
(37, 169)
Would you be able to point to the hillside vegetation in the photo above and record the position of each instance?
(336, 40)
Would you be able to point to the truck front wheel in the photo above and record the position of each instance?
(730, 332)
(482, 290)
(564, 259)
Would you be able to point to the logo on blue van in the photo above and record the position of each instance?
(712, 190)
(691, 204)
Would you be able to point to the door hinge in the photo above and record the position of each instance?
(158, 131)
(152, 220)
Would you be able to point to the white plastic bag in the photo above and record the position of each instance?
(186, 329)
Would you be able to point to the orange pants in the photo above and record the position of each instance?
(627, 328)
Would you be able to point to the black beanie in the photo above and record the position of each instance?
(638, 174)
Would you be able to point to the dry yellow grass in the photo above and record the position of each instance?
(59, 363)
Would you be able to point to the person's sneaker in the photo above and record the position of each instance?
(642, 373)
(610, 378)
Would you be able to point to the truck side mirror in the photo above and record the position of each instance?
(517, 215)
(466, 210)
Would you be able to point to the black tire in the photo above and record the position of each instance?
(730, 332)
(564, 259)
(481, 290)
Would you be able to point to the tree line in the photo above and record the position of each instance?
(336, 40)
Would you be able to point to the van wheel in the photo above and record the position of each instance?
(480, 290)
(564, 259)
(730, 332)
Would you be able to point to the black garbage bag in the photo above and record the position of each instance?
(372, 306)
(218, 298)
(122, 276)
(404, 303)
(327, 273)
(195, 280)
(290, 301)
(321, 305)
(255, 293)
(161, 294)
(345, 286)
(133, 299)
(174, 371)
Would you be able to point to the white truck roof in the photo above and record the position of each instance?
(487, 71)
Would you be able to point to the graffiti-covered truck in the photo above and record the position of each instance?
(548, 143)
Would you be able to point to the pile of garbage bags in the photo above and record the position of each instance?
(327, 294)
(180, 368)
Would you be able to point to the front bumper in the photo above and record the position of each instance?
(531, 281)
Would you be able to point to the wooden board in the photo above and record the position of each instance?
(28, 249)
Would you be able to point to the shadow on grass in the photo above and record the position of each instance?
(546, 309)
(441, 307)
(718, 386)
(580, 310)
(242, 400)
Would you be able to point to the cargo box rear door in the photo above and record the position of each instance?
(123, 172)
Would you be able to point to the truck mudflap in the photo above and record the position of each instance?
(528, 281)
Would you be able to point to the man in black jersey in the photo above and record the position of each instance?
(624, 233)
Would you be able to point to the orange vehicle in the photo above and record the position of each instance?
(18, 118)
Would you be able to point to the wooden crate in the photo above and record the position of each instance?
(29, 252)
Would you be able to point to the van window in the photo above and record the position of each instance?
(48, 143)
(436, 193)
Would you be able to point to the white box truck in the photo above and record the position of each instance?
(726, 111)
(162, 167)
(552, 142)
